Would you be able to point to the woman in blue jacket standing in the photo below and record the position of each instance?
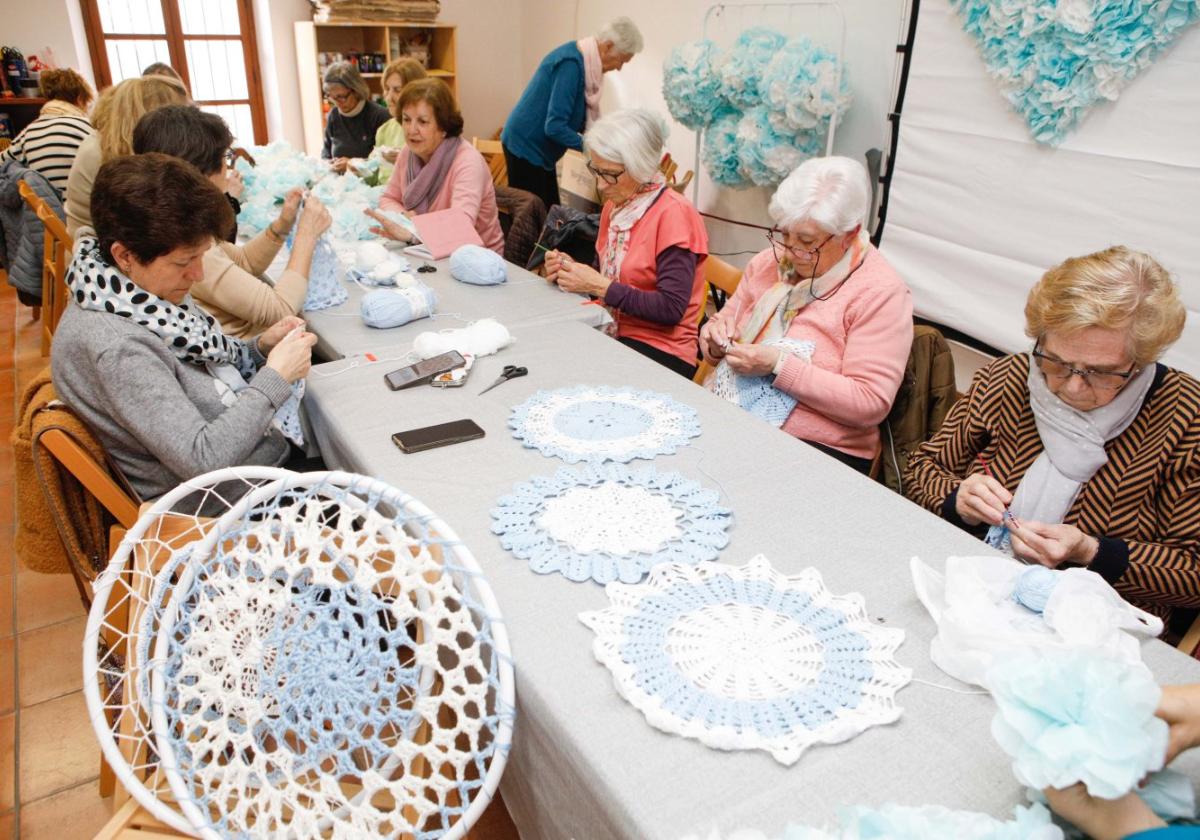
(562, 98)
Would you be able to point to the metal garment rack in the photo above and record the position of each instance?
(719, 8)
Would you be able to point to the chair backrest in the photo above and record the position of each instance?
(724, 276)
(55, 257)
(493, 153)
(94, 477)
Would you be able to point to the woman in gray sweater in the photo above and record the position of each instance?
(169, 395)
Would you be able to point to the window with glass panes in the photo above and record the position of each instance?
(210, 43)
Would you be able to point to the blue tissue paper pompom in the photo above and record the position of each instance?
(1034, 586)
(802, 87)
(742, 68)
(387, 308)
(933, 822)
(767, 156)
(692, 84)
(1068, 716)
(720, 152)
(478, 266)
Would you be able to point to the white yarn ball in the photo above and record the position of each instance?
(483, 338)
(367, 255)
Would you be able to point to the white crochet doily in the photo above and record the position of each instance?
(746, 658)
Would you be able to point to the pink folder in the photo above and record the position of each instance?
(441, 232)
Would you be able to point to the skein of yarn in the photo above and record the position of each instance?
(478, 266)
(1034, 586)
(386, 308)
(482, 338)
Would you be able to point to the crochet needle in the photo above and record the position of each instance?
(987, 470)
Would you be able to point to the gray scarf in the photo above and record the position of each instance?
(423, 180)
(1073, 444)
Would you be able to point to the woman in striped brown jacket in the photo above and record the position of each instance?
(1085, 451)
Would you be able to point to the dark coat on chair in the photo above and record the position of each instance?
(526, 214)
(922, 403)
(21, 246)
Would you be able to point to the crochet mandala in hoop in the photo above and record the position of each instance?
(608, 522)
(598, 423)
(746, 658)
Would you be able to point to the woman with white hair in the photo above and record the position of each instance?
(1084, 451)
(651, 243)
(816, 338)
(561, 99)
(352, 123)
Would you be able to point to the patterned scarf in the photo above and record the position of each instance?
(423, 180)
(189, 332)
(593, 74)
(620, 223)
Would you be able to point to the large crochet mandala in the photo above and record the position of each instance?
(607, 523)
(1054, 61)
(746, 658)
(597, 423)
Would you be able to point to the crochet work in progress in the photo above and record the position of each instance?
(597, 423)
(746, 658)
(324, 288)
(323, 644)
(758, 394)
(608, 523)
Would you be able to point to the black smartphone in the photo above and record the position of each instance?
(422, 372)
(431, 437)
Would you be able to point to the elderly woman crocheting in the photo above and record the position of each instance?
(651, 243)
(352, 123)
(816, 338)
(1085, 450)
(437, 170)
(169, 395)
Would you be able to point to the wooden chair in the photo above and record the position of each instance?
(718, 276)
(35, 203)
(493, 153)
(55, 258)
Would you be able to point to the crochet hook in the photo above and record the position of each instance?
(987, 470)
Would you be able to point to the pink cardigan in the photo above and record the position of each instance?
(468, 186)
(863, 335)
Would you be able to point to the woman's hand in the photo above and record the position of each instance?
(714, 338)
(574, 276)
(291, 358)
(275, 333)
(339, 165)
(287, 214)
(1180, 708)
(389, 153)
(315, 218)
(981, 498)
(388, 228)
(234, 185)
(752, 359)
(1052, 545)
(554, 264)
(1102, 819)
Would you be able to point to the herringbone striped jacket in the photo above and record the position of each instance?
(1143, 505)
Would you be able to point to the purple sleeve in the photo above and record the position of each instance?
(675, 270)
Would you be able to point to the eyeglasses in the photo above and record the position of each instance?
(339, 98)
(607, 177)
(779, 246)
(1100, 380)
(230, 157)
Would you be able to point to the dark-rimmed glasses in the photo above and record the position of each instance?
(1102, 380)
(779, 246)
(339, 98)
(609, 178)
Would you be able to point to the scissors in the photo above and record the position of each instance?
(510, 372)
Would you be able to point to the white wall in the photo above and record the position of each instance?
(58, 24)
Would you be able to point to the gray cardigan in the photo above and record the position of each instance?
(161, 419)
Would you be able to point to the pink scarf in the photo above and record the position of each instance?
(620, 223)
(423, 180)
(592, 75)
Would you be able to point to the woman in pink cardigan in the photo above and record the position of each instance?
(437, 170)
(817, 336)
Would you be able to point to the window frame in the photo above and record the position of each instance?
(97, 40)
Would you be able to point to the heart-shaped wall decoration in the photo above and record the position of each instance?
(1054, 59)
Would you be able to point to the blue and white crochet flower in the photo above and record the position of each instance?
(609, 522)
(746, 658)
(598, 423)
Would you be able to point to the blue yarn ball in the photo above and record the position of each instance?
(386, 308)
(1034, 586)
(478, 266)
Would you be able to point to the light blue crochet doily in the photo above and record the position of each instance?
(746, 658)
(609, 522)
(758, 394)
(324, 288)
(597, 423)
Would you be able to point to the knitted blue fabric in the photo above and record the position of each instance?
(758, 394)
(324, 288)
(607, 523)
(597, 423)
(477, 266)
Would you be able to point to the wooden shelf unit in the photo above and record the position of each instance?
(389, 38)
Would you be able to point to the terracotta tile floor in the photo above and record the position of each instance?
(49, 760)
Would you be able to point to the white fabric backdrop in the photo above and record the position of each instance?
(978, 210)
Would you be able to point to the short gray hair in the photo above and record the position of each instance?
(834, 192)
(623, 34)
(346, 74)
(633, 137)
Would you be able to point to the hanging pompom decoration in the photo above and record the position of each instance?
(801, 86)
(691, 83)
(720, 152)
(742, 70)
(767, 156)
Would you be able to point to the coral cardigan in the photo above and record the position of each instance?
(468, 186)
(863, 334)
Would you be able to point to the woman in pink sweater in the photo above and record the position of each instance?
(818, 334)
(437, 170)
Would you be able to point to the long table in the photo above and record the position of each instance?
(584, 763)
(524, 300)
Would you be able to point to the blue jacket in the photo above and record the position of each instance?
(550, 114)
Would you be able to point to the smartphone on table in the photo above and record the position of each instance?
(423, 371)
(431, 437)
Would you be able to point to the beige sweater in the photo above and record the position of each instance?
(79, 187)
(235, 293)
